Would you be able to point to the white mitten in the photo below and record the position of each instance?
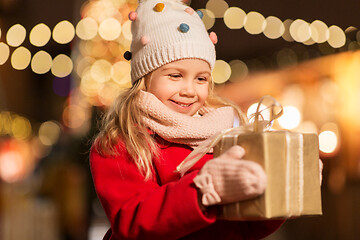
(228, 178)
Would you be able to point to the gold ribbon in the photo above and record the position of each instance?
(257, 124)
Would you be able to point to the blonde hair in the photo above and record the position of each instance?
(123, 122)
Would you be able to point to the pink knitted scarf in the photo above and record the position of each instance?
(180, 128)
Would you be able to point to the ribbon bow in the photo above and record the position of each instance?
(256, 124)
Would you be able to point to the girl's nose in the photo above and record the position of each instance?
(187, 88)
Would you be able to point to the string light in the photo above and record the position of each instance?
(4, 53)
(20, 58)
(41, 62)
(62, 66)
(63, 32)
(16, 35)
(254, 23)
(40, 35)
(221, 72)
(234, 18)
(110, 29)
(87, 28)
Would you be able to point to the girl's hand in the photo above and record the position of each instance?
(228, 178)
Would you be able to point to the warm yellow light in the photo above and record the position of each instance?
(21, 128)
(291, 118)
(300, 30)
(110, 29)
(16, 35)
(254, 23)
(74, 116)
(11, 165)
(120, 72)
(101, 70)
(83, 64)
(4, 53)
(286, 35)
(108, 93)
(126, 30)
(337, 37)
(20, 58)
(49, 133)
(234, 18)
(307, 127)
(87, 28)
(62, 66)
(265, 113)
(328, 141)
(40, 35)
(319, 31)
(63, 32)
(89, 86)
(239, 70)
(41, 62)
(208, 19)
(94, 48)
(274, 27)
(218, 7)
(5, 123)
(221, 72)
(293, 95)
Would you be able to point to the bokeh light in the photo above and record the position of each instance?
(40, 35)
(300, 30)
(74, 116)
(265, 113)
(49, 133)
(319, 31)
(221, 72)
(11, 164)
(218, 7)
(101, 70)
(239, 70)
(286, 35)
(208, 18)
(87, 28)
(41, 62)
(110, 29)
(120, 72)
(254, 23)
(4, 53)
(291, 118)
(21, 128)
(274, 27)
(126, 30)
(16, 35)
(337, 37)
(20, 58)
(63, 32)
(62, 66)
(234, 18)
(327, 141)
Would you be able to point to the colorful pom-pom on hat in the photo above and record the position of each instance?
(165, 31)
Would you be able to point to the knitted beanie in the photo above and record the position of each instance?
(164, 31)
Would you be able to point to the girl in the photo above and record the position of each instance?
(154, 125)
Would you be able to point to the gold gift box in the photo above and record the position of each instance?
(291, 163)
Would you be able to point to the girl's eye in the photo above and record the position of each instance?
(175, 75)
(202, 79)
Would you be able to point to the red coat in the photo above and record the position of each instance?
(163, 209)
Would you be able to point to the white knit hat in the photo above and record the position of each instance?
(164, 31)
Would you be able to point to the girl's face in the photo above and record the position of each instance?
(182, 85)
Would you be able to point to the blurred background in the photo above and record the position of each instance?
(62, 64)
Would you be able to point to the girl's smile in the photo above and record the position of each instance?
(183, 85)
